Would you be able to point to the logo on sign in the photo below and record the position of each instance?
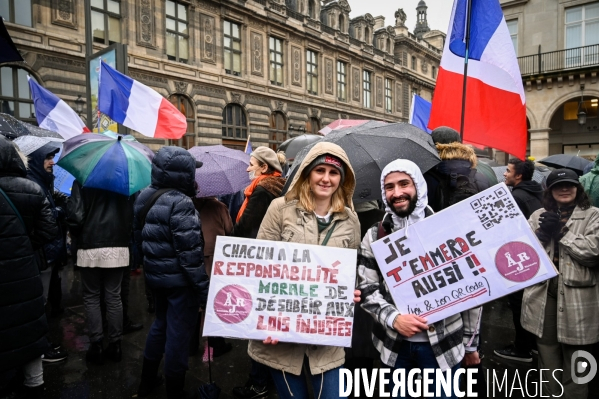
(232, 304)
(517, 261)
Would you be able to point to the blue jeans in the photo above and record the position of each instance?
(176, 316)
(325, 385)
(419, 355)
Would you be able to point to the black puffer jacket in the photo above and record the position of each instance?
(23, 324)
(171, 240)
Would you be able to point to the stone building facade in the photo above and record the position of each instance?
(557, 43)
(271, 69)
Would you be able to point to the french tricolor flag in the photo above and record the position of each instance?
(495, 111)
(54, 114)
(138, 107)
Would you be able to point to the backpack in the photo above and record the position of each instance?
(453, 185)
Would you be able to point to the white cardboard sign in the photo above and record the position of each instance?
(293, 292)
(464, 256)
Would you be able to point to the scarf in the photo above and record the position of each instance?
(250, 189)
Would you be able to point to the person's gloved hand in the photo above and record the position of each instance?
(548, 222)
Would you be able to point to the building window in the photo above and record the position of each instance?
(183, 104)
(106, 21)
(367, 34)
(278, 129)
(388, 96)
(177, 33)
(582, 29)
(512, 27)
(313, 126)
(366, 86)
(232, 48)
(15, 98)
(434, 72)
(341, 81)
(312, 72)
(276, 61)
(312, 9)
(17, 11)
(234, 122)
(341, 23)
(414, 64)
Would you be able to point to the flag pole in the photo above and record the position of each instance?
(246, 144)
(468, 17)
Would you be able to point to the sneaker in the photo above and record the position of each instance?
(250, 391)
(510, 352)
(54, 354)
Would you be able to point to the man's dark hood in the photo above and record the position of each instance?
(12, 162)
(174, 167)
(532, 187)
(36, 171)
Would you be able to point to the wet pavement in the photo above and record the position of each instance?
(75, 379)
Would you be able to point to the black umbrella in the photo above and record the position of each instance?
(577, 164)
(210, 390)
(12, 128)
(370, 149)
(8, 50)
(292, 146)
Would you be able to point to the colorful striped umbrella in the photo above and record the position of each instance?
(108, 161)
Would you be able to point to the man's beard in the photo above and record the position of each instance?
(411, 205)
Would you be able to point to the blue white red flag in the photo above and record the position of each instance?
(54, 114)
(420, 113)
(495, 112)
(137, 106)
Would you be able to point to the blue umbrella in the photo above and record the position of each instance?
(224, 170)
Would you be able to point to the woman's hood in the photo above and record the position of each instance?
(329, 148)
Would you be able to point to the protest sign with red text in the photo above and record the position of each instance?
(471, 253)
(292, 292)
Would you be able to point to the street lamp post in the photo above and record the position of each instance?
(79, 104)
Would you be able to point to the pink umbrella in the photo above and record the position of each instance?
(341, 124)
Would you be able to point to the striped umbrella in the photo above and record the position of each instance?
(108, 161)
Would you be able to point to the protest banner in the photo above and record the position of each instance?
(464, 256)
(292, 292)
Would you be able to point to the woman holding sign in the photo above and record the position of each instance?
(316, 210)
(562, 311)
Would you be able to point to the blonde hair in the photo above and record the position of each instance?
(301, 191)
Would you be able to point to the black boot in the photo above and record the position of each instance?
(149, 378)
(175, 387)
(114, 352)
(34, 393)
(95, 353)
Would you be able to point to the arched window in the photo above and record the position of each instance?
(15, 98)
(234, 124)
(341, 25)
(367, 38)
(278, 129)
(311, 9)
(183, 104)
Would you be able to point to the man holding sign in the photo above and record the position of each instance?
(406, 341)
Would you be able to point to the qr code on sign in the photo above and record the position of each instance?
(492, 209)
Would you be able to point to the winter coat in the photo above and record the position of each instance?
(215, 222)
(454, 157)
(171, 239)
(528, 196)
(267, 190)
(286, 220)
(23, 324)
(100, 218)
(450, 337)
(55, 250)
(578, 288)
(591, 184)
